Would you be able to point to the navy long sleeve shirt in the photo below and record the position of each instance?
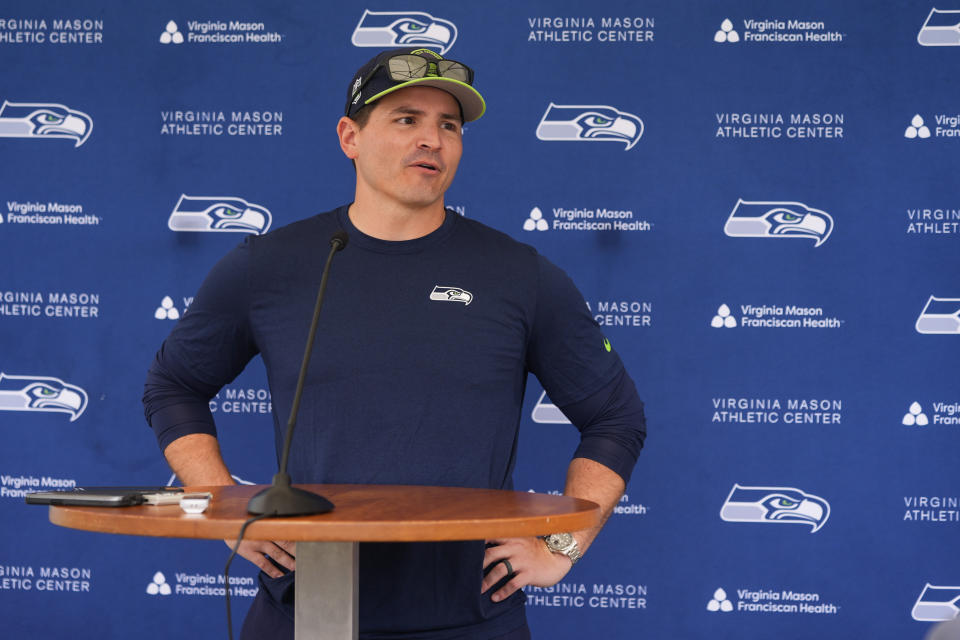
(417, 377)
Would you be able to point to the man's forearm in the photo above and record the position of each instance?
(593, 481)
(528, 561)
(196, 460)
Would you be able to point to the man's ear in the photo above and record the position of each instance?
(347, 131)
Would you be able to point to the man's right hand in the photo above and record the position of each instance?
(256, 551)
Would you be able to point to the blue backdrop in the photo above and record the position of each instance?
(757, 199)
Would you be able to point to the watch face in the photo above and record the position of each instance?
(559, 540)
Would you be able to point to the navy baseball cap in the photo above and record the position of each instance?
(398, 68)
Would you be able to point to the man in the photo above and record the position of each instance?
(430, 326)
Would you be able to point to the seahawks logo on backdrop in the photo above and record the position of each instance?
(775, 505)
(545, 412)
(44, 120)
(384, 29)
(219, 214)
(937, 603)
(940, 316)
(451, 294)
(589, 123)
(41, 393)
(940, 29)
(778, 220)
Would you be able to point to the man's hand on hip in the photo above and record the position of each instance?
(532, 564)
(256, 551)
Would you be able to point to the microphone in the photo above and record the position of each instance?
(281, 499)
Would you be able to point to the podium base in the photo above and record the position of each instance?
(281, 499)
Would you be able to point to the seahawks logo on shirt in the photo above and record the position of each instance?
(451, 294)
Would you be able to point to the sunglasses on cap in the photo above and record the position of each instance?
(407, 66)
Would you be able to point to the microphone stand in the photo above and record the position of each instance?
(282, 499)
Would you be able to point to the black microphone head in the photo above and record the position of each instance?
(339, 239)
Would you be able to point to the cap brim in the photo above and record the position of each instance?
(471, 102)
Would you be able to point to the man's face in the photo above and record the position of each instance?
(410, 148)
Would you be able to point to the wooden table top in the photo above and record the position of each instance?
(362, 513)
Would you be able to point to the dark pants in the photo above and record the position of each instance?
(266, 621)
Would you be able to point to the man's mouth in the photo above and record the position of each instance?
(427, 162)
(427, 165)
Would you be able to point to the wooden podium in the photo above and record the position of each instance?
(327, 552)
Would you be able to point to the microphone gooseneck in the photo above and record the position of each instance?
(281, 499)
(340, 238)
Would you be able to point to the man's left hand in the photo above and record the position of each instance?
(531, 561)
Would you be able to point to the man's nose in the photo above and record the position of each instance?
(429, 137)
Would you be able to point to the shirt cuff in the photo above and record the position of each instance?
(178, 420)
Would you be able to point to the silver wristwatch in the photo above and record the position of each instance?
(564, 543)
